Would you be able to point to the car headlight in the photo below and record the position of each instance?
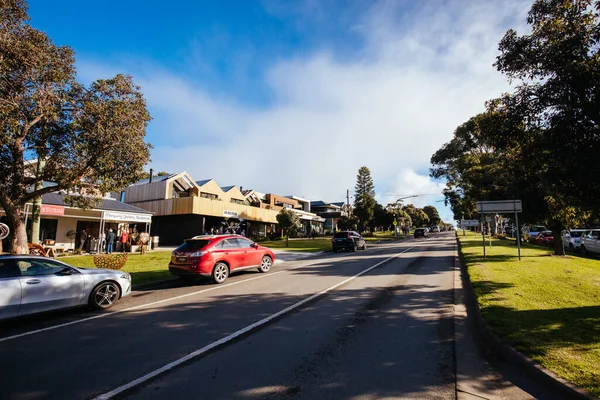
(126, 276)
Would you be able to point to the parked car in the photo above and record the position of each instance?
(348, 240)
(435, 229)
(545, 238)
(420, 232)
(33, 284)
(572, 239)
(590, 241)
(530, 232)
(218, 256)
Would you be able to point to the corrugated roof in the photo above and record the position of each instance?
(154, 179)
(203, 182)
(58, 199)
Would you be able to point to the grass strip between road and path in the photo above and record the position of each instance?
(546, 306)
(322, 243)
(150, 267)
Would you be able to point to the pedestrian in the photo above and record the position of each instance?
(102, 239)
(124, 240)
(243, 233)
(82, 239)
(110, 240)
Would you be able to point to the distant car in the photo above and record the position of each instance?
(545, 238)
(509, 230)
(530, 232)
(435, 229)
(218, 256)
(572, 239)
(590, 241)
(33, 284)
(420, 232)
(348, 240)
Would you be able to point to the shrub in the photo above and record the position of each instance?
(110, 261)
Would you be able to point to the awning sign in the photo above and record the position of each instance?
(52, 210)
(127, 217)
(230, 214)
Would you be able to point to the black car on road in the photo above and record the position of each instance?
(348, 240)
(420, 232)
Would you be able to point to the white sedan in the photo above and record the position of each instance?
(33, 284)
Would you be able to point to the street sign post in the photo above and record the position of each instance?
(500, 207)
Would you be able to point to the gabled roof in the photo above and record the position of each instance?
(203, 182)
(58, 199)
(155, 178)
(227, 188)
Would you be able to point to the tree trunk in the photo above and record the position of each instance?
(559, 249)
(287, 243)
(16, 220)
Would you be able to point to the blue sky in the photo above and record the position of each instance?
(292, 97)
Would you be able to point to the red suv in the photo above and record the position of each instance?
(218, 256)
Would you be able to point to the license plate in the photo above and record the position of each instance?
(182, 259)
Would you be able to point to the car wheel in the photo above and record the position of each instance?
(571, 247)
(265, 264)
(583, 250)
(364, 246)
(104, 295)
(220, 272)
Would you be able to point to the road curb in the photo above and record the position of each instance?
(493, 344)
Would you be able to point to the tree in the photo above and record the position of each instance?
(558, 65)
(146, 175)
(348, 222)
(91, 138)
(417, 215)
(288, 221)
(432, 214)
(364, 201)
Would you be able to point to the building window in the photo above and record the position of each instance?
(209, 196)
(237, 201)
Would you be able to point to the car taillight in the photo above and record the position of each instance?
(349, 237)
(198, 254)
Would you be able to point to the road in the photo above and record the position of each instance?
(367, 325)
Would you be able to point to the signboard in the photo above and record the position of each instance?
(127, 217)
(469, 222)
(230, 214)
(395, 223)
(52, 210)
(501, 206)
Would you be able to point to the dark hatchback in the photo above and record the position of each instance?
(348, 240)
(420, 232)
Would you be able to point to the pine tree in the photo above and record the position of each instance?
(364, 201)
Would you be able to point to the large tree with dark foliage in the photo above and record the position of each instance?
(364, 200)
(88, 138)
(541, 141)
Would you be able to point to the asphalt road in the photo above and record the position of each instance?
(366, 325)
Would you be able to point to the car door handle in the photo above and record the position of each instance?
(32, 281)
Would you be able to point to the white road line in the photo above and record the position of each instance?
(141, 306)
(142, 379)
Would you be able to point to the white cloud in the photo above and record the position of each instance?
(390, 108)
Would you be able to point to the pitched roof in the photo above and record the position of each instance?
(58, 199)
(203, 182)
(318, 203)
(227, 188)
(155, 178)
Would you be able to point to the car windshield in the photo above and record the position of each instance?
(192, 245)
(575, 234)
(341, 235)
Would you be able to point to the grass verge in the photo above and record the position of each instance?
(151, 267)
(308, 245)
(547, 307)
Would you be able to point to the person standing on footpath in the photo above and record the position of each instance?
(82, 238)
(124, 240)
(110, 240)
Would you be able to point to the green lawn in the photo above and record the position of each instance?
(151, 267)
(310, 245)
(546, 306)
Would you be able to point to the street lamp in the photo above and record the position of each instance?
(398, 201)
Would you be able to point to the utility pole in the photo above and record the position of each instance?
(348, 201)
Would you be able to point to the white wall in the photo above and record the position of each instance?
(65, 225)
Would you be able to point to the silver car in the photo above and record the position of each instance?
(590, 241)
(33, 284)
(572, 239)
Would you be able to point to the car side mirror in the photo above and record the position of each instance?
(255, 245)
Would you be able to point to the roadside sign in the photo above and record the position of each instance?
(469, 222)
(395, 223)
(501, 206)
